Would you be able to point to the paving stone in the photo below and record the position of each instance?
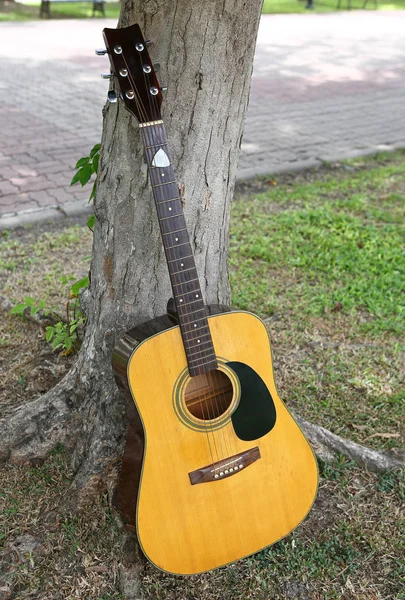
(62, 195)
(325, 86)
(43, 198)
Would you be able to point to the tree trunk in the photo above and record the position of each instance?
(206, 51)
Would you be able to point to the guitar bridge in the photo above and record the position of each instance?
(226, 467)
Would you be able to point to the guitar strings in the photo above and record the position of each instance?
(208, 376)
(147, 137)
(149, 134)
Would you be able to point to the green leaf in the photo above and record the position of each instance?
(90, 222)
(94, 150)
(68, 343)
(83, 161)
(29, 301)
(85, 173)
(49, 333)
(93, 192)
(18, 309)
(75, 178)
(95, 163)
(34, 310)
(82, 283)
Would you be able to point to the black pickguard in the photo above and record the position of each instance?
(256, 414)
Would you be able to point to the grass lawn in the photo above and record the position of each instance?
(79, 10)
(63, 10)
(320, 256)
(298, 6)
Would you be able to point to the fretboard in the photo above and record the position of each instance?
(179, 255)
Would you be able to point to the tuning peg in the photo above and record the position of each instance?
(163, 88)
(148, 42)
(106, 75)
(101, 51)
(113, 97)
(156, 67)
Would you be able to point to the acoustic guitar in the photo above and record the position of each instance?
(226, 471)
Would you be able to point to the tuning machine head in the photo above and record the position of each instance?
(101, 51)
(134, 72)
(107, 75)
(113, 97)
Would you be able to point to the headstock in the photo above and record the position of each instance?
(134, 71)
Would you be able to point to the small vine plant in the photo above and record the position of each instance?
(64, 333)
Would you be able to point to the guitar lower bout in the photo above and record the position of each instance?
(226, 470)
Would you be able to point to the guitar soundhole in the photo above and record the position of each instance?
(209, 395)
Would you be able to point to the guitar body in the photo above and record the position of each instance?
(186, 527)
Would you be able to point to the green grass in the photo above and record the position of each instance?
(80, 10)
(340, 240)
(298, 6)
(63, 10)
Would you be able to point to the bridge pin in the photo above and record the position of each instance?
(226, 471)
(240, 466)
(236, 468)
(221, 473)
(216, 475)
(231, 470)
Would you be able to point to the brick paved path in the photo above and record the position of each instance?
(324, 87)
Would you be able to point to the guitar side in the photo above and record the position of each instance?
(185, 528)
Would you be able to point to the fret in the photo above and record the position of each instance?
(177, 245)
(198, 345)
(163, 183)
(193, 353)
(199, 359)
(156, 146)
(173, 232)
(198, 369)
(190, 312)
(199, 333)
(171, 217)
(192, 302)
(169, 200)
(182, 258)
(196, 331)
(188, 281)
(183, 270)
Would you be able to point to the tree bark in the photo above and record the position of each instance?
(206, 52)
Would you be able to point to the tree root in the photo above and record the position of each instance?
(328, 446)
(34, 428)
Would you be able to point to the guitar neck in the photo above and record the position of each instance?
(179, 255)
